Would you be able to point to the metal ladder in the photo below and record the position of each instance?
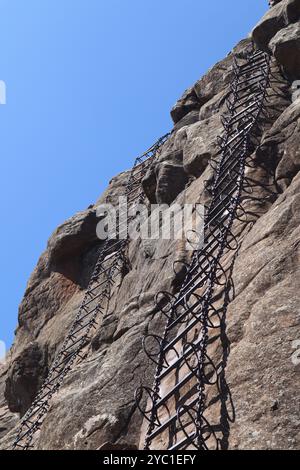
(109, 264)
(176, 404)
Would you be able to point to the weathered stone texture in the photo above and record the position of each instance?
(95, 407)
(278, 32)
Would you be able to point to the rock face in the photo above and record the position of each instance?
(285, 46)
(262, 376)
(278, 32)
(95, 408)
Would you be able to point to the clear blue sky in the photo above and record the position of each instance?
(90, 84)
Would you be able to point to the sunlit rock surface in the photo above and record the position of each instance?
(95, 408)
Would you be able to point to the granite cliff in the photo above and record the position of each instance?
(95, 408)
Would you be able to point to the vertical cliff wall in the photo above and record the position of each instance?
(95, 408)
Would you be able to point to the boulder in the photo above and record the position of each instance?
(189, 102)
(272, 22)
(285, 46)
(277, 18)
